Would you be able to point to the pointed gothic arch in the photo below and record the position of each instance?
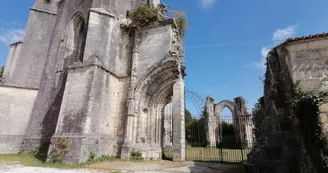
(75, 39)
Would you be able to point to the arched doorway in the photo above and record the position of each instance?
(144, 129)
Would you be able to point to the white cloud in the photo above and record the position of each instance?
(264, 53)
(11, 36)
(283, 34)
(278, 36)
(207, 3)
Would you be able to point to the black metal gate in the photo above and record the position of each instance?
(231, 140)
(225, 139)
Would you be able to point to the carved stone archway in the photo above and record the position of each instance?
(145, 118)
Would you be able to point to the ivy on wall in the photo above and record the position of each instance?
(257, 117)
(306, 106)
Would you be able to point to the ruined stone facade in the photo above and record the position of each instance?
(300, 62)
(79, 75)
(240, 119)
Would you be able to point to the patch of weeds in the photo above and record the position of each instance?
(103, 158)
(21, 151)
(180, 18)
(59, 150)
(136, 155)
(92, 157)
(142, 16)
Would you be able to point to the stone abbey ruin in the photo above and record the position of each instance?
(291, 118)
(86, 73)
(92, 77)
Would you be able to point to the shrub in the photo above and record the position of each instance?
(136, 155)
(181, 21)
(59, 150)
(143, 16)
(103, 158)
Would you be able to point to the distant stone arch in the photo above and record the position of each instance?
(240, 120)
(225, 104)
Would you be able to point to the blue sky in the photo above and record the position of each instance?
(225, 43)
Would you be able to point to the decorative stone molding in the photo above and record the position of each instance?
(43, 11)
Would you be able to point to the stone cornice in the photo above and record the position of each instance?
(18, 42)
(102, 12)
(91, 64)
(19, 87)
(43, 11)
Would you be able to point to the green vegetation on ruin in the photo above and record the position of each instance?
(306, 106)
(145, 15)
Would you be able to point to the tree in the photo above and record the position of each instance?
(195, 133)
(1, 71)
(188, 118)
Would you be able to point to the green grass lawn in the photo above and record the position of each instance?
(32, 160)
(212, 154)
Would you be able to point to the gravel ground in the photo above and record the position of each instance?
(126, 167)
(25, 169)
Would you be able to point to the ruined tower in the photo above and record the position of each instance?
(80, 75)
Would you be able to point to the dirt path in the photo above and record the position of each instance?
(129, 167)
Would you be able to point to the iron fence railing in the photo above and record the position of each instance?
(225, 139)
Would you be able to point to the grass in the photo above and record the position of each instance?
(37, 161)
(213, 154)
(32, 160)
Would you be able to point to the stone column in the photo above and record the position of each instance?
(178, 118)
(128, 136)
(211, 123)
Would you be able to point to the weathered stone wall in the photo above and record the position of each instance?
(89, 66)
(307, 64)
(46, 109)
(118, 95)
(323, 117)
(154, 47)
(280, 147)
(15, 110)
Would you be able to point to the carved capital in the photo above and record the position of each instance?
(176, 73)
